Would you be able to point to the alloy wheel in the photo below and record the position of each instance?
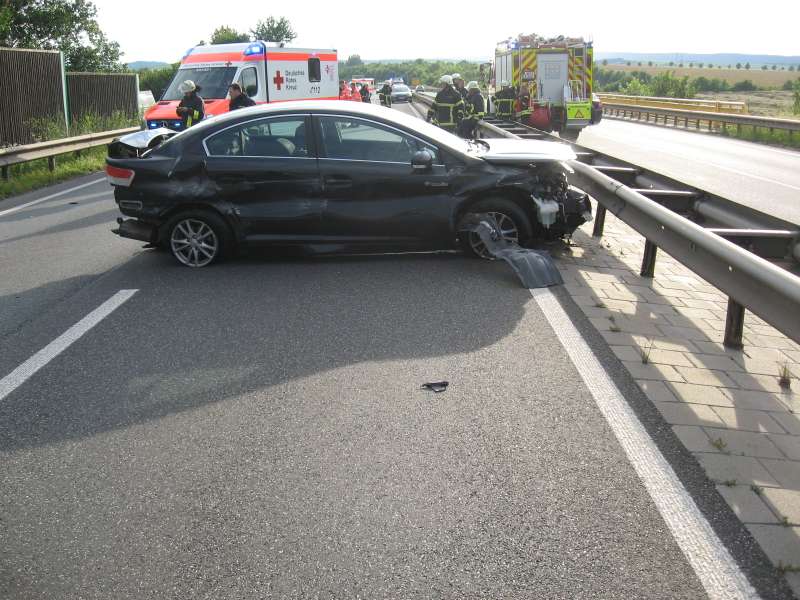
(508, 230)
(194, 243)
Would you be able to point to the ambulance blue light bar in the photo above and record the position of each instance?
(255, 48)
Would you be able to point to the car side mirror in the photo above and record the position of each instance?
(422, 161)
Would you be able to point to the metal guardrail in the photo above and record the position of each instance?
(723, 106)
(697, 117)
(731, 253)
(14, 155)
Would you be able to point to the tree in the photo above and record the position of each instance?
(774, 67)
(671, 63)
(738, 65)
(649, 63)
(354, 60)
(605, 62)
(796, 106)
(274, 30)
(228, 35)
(699, 65)
(66, 25)
(747, 66)
(791, 67)
(691, 64)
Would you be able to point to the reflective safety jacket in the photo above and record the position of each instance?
(505, 101)
(355, 96)
(196, 110)
(475, 107)
(447, 109)
(385, 95)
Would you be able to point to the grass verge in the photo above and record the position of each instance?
(762, 135)
(33, 175)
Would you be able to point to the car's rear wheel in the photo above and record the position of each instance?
(514, 226)
(197, 239)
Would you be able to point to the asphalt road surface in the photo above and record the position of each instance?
(257, 429)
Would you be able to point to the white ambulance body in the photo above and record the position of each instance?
(265, 72)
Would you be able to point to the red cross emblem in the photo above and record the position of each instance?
(278, 80)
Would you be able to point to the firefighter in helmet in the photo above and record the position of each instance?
(459, 84)
(190, 109)
(385, 94)
(504, 102)
(447, 109)
(475, 110)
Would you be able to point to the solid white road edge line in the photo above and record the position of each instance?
(24, 372)
(50, 197)
(717, 571)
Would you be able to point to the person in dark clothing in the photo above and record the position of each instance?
(460, 85)
(504, 102)
(238, 98)
(475, 111)
(190, 109)
(447, 109)
(385, 94)
(364, 91)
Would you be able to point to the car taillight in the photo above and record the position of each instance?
(119, 176)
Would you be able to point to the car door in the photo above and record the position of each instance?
(267, 169)
(370, 191)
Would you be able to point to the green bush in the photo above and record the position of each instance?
(43, 129)
(744, 86)
(157, 80)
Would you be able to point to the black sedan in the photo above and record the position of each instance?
(332, 175)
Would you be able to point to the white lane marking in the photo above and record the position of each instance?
(717, 571)
(24, 372)
(50, 197)
(660, 149)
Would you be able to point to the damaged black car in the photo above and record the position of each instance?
(330, 175)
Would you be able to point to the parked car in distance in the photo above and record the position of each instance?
(334, 175)
(401, 93)
(419, 88)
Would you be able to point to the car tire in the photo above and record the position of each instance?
(197, 238)
(510, 217)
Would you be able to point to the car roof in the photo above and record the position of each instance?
(344, 107)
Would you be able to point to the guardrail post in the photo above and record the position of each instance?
(734, 325)
(599, 221)
(649, 260)
(51, 163)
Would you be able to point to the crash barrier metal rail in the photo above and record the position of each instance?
(725, 243)
(685, 117)
(719, 106)
(19, 154)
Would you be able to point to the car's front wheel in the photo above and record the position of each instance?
(514, 226)
(197, 239)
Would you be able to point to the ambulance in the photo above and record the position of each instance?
(267, 73)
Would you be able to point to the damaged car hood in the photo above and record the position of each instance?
(504, 150)
(147, 138)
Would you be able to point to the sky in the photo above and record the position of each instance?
(163, 30)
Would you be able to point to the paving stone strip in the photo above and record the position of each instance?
(731, 408)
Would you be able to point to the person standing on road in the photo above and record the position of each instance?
(344, 91)
(238, 98)
(355, 96)
(190, 109)
(475, 111)
(504, 102)
(385, 94)
(447, 109)
(365, 96)
(458, 84)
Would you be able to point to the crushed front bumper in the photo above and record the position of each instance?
(136, 230)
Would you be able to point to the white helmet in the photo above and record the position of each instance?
(187, 86)
(446, 79)
(504, 83)
(472, 85)
(457, 76)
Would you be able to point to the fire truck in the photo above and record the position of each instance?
(553, 81)
(267, 73)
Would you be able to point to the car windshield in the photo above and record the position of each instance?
(212, 82)
(400, 88)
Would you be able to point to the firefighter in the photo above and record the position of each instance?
(523, 108)
(504, 102)
(238, 98)
(365, 97)
(190, 109)
(475, 110)
(447, 109)
(385, 94)
(458, 83)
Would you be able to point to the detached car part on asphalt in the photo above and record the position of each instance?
(335, 176)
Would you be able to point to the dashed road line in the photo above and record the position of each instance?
(26, 370)
(716, 569)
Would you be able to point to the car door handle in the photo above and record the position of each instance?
(439, 184)
(338, 182)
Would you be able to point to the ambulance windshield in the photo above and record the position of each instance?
(212, 82)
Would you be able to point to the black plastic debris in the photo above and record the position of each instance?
(436, 386)
(535, 268)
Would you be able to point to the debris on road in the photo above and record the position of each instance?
(436, 386)
(534, 268)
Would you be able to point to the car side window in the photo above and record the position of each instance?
(249, 81)
(280, 137)
(351, 138)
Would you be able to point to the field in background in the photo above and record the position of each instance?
(766, 104)
(761, 78)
